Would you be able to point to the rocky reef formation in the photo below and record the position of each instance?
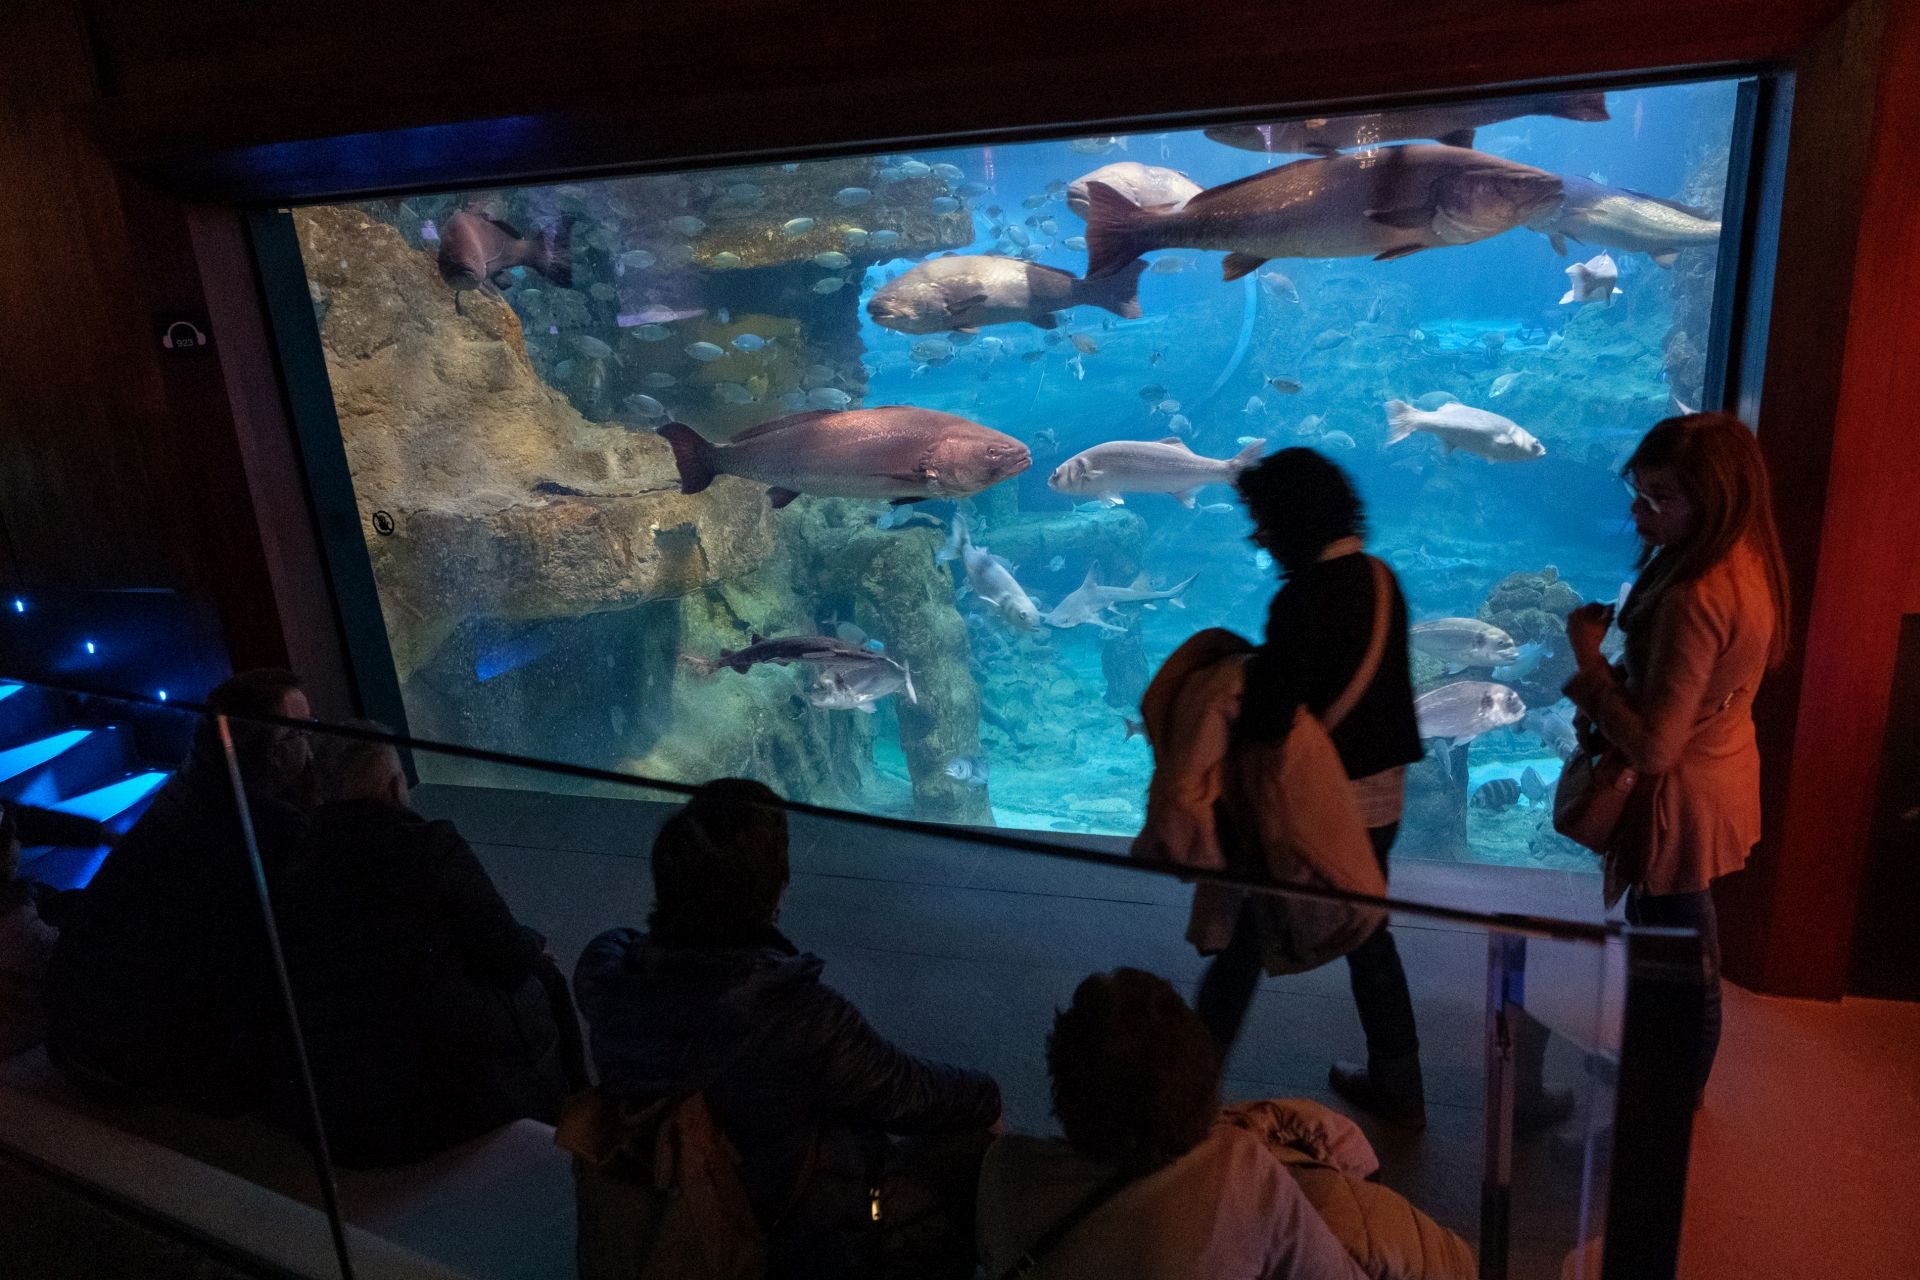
(1533, 609)
(542, 577)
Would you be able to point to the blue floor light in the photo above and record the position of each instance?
(163, 695)
(19, 605)
(90, 648)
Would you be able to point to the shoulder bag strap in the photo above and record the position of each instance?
(1058, 1231)
(1376, 649)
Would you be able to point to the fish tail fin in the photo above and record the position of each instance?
(957, 540)
(692, 454)
(1400, 421)
(1118, 293)
(906, 674)
(1116, 231)
(1247, 456)
(554, 259)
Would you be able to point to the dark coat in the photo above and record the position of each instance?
(815, 1078)
(161, 983)
(1317, 633)
(423, 1021)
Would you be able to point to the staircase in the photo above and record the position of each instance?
(88, 772)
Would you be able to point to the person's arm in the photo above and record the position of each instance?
(1652, 727)
(866, 1080)
(1276, 676)
(490, 940)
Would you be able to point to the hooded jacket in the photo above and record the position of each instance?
(1331, 1160)
(796, 1078)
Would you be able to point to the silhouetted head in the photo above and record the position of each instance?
(275, 759)
(720, 865)
(1136, 1078)
(1701, 490)
(361, 769)
(1300, 500)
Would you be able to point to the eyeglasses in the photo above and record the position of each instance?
(1656, 502)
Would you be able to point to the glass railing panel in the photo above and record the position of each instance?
(149, 1056)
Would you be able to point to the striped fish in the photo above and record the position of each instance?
(1501, 793)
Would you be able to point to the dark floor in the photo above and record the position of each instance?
(964, 953)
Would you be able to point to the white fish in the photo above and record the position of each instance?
(1146, 185)
(1087, 603)
(748, 342)
(1461, 643)
(1079, 367)
(1594, 280)
(687, 225)
(832, 284)
(1216, 508)
(1180, 424)
(832, 260)
(1254, 405)
(850, 197)
(1462, 711)
(732, 393)
(828, 398)
(1134, 466)
(913, 169)
(1504, 383)
(990, 578)
(589, 346)
(1096, 146)
(705, 351)
(1458, 426)
(797, 226)
(1339, 440)
(951, 172)
(659, 379)
(645, 405)
(651, 332)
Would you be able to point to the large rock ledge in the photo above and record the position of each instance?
(504, 501)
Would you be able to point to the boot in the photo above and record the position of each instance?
(1536, 1105)
(1388, 1087)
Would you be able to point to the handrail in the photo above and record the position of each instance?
(1517, 923)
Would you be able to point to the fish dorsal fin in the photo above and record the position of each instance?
(764, 428)
(1093, 576)
(1176, 442)
(1054, 271)
(1213, 194)
(754, 637)
(1691, 210)
(514, 231)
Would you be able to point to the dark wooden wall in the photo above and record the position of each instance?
(141, 125)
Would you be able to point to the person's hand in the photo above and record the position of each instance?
(1586, 628)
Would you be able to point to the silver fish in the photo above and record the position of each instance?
(1463, 642)
(1593, 213)
(897, 452)
(990, 578)
(1465, 709)
(1595, 280)
(1135, 466)
(1383, 203)
(1457, 426)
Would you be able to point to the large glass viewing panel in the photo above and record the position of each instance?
(1034, 340)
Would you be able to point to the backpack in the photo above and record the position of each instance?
(657, 1191)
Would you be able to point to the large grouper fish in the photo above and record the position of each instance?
(1630, 221)
(1453, 124)
(1385, 202)
(965, 291)
(898, 453)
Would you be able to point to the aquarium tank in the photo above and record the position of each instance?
(889, 479)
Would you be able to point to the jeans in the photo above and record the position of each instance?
(1373, 969)
(1689, 911)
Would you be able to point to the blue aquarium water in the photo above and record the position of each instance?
(801, 472)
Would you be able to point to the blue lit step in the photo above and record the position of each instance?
(62, 866)
(96, 758)
(118, 803)
(27, 711)
(15, 761)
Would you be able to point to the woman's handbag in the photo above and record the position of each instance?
(1293, 803)
(1592, 795)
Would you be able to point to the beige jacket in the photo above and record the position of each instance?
(1683, 717)
(1188, 711)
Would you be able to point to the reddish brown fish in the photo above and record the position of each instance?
(474, 249)
(897, 452)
